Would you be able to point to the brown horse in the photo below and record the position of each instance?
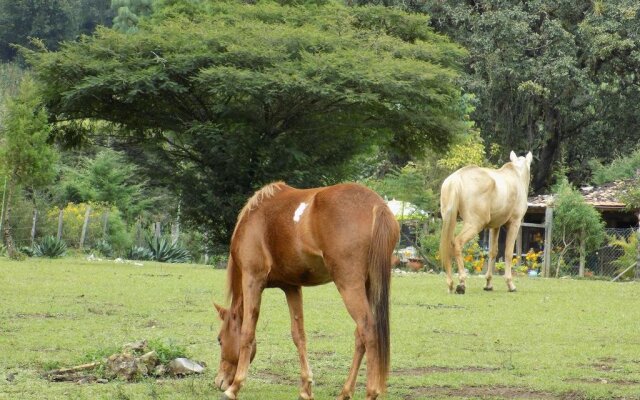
(484, 198)
(289, 238)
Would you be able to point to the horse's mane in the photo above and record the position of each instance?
(267, 191)
(264, 193)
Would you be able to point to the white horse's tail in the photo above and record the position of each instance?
(449, 211)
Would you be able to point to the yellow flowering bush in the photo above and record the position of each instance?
(73, 221)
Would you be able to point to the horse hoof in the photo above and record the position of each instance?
(460, 289)
(488, 288)
(225, 397)
(512, 290)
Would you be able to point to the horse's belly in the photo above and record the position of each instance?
(310, 272)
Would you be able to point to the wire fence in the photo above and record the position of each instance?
(83, 227)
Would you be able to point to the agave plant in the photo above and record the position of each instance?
(139, 253)
(50, 246)
(165, 251)
(104, 248)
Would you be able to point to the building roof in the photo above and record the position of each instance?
(603, 197)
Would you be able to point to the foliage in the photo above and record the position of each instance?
(574, 221)
(52, 21)
(139, 253)
(103, 248)
(163, 250)
(50, 246)
(128, 13)
(26, 160)
(167, 350)
(622, 167)
(629, 256)
(107, 178)
(116, 233)
(548, 76)
(224, 97)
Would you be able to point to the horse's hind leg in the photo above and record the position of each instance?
(493, 253)
(467, 233)
(355, 299)
(350, 385)
(510, 242)
(294, 300)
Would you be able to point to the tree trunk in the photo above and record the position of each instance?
(8, 237)
(549, 153)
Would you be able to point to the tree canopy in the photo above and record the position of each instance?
(224, 97)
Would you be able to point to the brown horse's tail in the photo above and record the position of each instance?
(449, 211)
(383, 241)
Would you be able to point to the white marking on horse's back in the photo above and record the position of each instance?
(299, 211)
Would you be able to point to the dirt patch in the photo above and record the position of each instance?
(492, 392)
(604, 381)
(445, 332)
(431, 306)
(275, 378)
(435, 369)
(44, 315)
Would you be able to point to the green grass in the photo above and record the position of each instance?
(553, 339)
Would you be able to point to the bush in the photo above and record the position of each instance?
(629, 247)
(51, 247)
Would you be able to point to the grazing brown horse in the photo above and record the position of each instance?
(484, 198)
(289, 238)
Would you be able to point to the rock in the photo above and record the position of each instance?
(159, 370)
(125, 366)
(150, 359)
(184, 366)
(136, 347)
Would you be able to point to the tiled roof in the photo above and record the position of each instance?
(606, 196)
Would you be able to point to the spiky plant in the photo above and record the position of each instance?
(139, 253)
(50, 246)
(165, 251)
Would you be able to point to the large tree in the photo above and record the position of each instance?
(557, 77)
(26, 160)
(221, 98)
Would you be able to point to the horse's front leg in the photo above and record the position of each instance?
(294, 300)
(252, 294)
(350, 385)
(510, 242)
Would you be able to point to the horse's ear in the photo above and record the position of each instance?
(529, 158)
(512, 156)
(222, 312)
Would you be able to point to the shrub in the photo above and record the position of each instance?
(51, 247)
(629, 256)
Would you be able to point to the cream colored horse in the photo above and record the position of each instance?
(484, 198)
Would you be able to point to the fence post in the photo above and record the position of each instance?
(105, 220)
(583, 255)
(4, 192)
(84, 226)
(157, 230)
(519, 246)
(175, 232)
(60, 219)
(33, 227)
(637, 277)
(548, 224)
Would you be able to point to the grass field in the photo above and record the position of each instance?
(553, 339)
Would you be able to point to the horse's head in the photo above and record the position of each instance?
(522, 164)
(229, 341)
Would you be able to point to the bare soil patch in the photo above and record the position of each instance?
(492, 392)
(435, 369)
